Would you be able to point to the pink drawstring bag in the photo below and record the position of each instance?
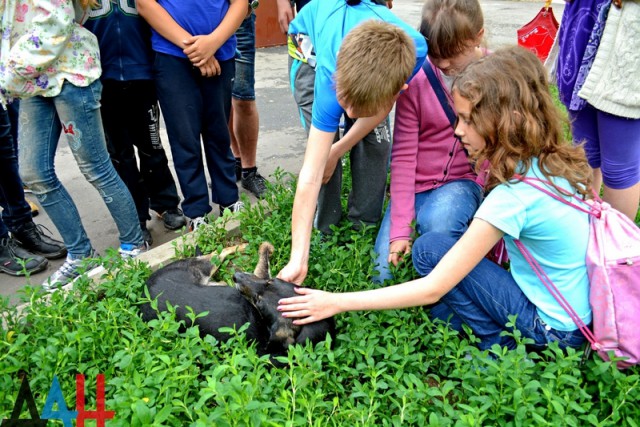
(613, 266)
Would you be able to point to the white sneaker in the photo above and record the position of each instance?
(128, 250)
(233, 208)
(69, 271)
(195, 223)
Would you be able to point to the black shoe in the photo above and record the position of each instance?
(11, 256)
(238, 169)
(146, 234)
(255, 183)
(31, 237)
(173, 219)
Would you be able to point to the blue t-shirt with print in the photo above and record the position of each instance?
(556, 235)
(197, 17)
(327, 22)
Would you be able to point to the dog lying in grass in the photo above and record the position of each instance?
(254, 300)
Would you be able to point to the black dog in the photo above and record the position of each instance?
(254, 300)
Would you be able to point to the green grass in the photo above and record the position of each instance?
(386, 368)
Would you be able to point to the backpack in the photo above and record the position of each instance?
(613, 266)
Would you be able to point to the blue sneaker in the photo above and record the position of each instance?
(129, 250)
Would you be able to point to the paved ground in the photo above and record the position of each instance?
(281, 141)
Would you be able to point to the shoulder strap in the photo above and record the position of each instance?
(440, 93)
(581, 207)
(553, 290)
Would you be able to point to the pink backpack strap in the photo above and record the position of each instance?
(553, 290)
(542, 185)
(591, 209)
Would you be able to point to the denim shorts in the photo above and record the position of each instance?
(243, 86)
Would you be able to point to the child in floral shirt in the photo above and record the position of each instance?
(52, 63)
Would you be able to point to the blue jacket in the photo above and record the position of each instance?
(125, 41)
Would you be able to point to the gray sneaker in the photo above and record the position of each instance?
(69, 271)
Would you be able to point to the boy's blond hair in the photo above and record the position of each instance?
(374, 62)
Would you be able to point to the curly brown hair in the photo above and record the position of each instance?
(512, 109)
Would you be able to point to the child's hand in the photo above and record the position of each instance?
(285, 14)
(210, 68)
(293, 272)
(330, 167)
(311, 306)
(199, 49)
(397, 250)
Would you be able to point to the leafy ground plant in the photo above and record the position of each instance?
(387, 368)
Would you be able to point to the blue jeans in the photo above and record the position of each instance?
(485, 298)
(447, 209)
(194, 106)
(76, 111)
(15, 210)
(244, 83)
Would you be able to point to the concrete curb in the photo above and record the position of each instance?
(154, 257)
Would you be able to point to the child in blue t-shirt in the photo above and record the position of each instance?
(194, 69)
(363, 56)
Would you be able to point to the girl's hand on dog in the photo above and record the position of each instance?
(311, 306)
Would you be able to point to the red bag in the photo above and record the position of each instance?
(538, 35)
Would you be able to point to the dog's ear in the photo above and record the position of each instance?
(262, 270)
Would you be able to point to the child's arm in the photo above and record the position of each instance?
(304, 204)
(285, 14)
(202, 47)
(162, 22)
(313, 305)
(361, 128)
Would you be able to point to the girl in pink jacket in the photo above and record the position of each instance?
(432, 181)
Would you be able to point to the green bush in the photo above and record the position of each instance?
(387, 368)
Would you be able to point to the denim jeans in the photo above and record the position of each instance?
(194, 106)
(485, 298)
(15, 210)
(244, 83)
(447, 209)
(76, 111)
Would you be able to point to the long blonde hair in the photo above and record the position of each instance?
(512, 109)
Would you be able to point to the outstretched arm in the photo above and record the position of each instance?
(304, 204)
(313, 305)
